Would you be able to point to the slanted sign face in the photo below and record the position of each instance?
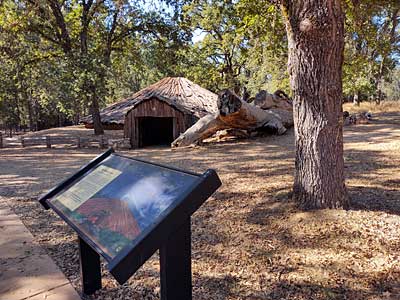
(114, 203)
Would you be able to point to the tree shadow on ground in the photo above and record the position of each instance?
(374, 199)
(285, 289)
(276, 206)
(371, 185)
(215, 287)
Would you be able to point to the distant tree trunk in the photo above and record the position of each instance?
(94, 102)
(315, 38)
(30, 115)
(379, 81)
(356, 98)
(379, 97)
(97, 125)
(95, 111)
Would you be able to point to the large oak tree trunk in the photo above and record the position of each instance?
(315, 31)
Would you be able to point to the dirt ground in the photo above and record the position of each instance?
(249, 240)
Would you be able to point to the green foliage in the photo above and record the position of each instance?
(244, 44)
(372, 43)
(59, 58)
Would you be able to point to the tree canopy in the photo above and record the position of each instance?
(61, 60)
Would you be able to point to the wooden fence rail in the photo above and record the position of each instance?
(79, 142)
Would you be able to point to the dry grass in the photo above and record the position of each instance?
(249, 240)
(384, 107)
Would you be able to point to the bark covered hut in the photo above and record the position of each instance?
(159, 113)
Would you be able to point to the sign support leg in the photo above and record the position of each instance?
(90, 268)
(176, 265)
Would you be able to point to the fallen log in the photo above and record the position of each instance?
(238, 114)
(278, 100)
(357, 118)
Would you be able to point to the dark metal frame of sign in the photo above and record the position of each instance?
(170, 233)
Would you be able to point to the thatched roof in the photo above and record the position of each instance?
(178, 92)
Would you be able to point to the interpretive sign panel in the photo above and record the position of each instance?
(119, 199)
(125, 209)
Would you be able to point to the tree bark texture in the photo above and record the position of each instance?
(315, 31)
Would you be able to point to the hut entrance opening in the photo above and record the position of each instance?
(154, 122)
(155, 131)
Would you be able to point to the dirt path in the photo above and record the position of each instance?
(249, 240)
(27, 272)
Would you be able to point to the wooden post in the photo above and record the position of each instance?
(1, 140)
(102, 142)
(90, 268)
(22, 142)
(175, 265)
(48, 143)
(135, 134)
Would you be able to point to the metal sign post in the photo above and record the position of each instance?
(176, 265)
(89, 261)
